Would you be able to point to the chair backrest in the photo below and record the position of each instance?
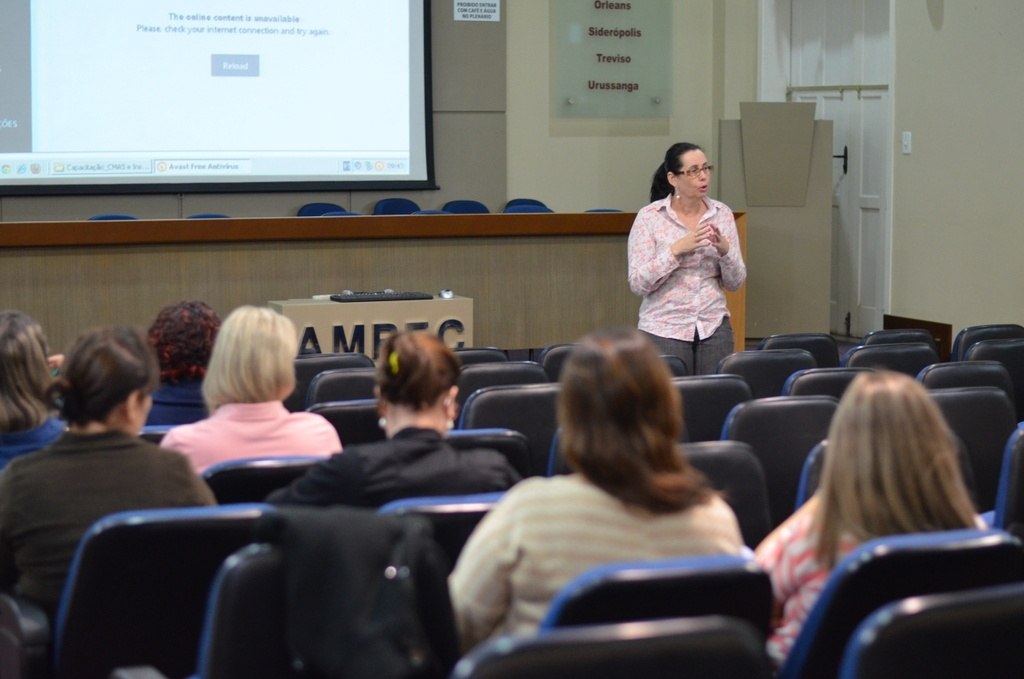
(675, 365)
(1009, 352)
(330, 590)
(971, 633)
(395, 206)
(908, 358)
(308, 366)
(821, 345)
(983, 419)
(1009, 512)
(111, 216)
(317, 209)
(356, 421)
(972, 334)
(470, 355)
(154, 433)
(524, 201)
(710, 647)
(208, 215)
(967, 374)
(810, 474)
(252, 479)
(665, 588)
(781, 430)
(821, 381)
(766, 370)
(465, 207)
(431, 212)
(884, 570)
(899, 336)
(341, 384)
(553, 357)
(526, 208)
(513, 445)
(453, 517)
(244, 633)
(734, 471)
(479, 375)
(137, 588)
(341, 213)
(707, 402)
(526, 408)
(731, 468)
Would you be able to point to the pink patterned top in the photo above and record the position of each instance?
(788, 555)
(682, 295)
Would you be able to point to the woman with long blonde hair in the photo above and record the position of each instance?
(890, 468)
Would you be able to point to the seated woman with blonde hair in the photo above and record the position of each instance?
(633, 495)
(890, 468)
(49, 498)
(251, 371)
(27, 420)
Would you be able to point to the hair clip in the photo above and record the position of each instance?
(393, 362)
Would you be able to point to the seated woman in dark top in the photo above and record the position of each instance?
(49, 498)
(183, 336)
(27, 420)
(416, 376)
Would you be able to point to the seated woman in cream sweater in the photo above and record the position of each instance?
(633, 494)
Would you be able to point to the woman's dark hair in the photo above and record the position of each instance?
(415, 369)
(621, 419)
(102, 368)
(673, 163)
(183, 336)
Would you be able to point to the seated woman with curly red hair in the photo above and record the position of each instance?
(183, 336)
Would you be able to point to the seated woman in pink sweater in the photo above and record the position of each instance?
(251, 370)
(890, 468)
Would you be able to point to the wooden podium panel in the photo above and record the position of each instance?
(326, 326)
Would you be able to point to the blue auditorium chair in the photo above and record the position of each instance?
(465, 207)
(308, 366)
(887, 569)
(135, 595)
(687, 586)
(111, 216)
(972, 334)
(317, 209)
(395, 206)
(766, 370)
(708, 647)
(781, 431)
(453, 517)
(969, 633)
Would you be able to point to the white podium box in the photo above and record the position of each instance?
(326, 326)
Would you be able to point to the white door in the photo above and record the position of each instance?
(839, 58)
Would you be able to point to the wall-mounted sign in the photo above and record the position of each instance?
(611, 59)
(477, 10)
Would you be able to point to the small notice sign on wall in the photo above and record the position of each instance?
(477, 10)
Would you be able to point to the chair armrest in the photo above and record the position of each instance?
(139, 672)
(24, 639)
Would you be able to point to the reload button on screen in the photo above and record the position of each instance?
(235, 65)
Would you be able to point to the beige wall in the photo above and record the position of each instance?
(579, 165)
(957, 225)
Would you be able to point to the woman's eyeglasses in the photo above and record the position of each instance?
(696, 171)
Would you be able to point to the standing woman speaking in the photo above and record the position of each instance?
(683, 251)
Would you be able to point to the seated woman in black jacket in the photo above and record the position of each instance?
(416, 376)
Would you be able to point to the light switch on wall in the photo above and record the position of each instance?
(906, 143)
